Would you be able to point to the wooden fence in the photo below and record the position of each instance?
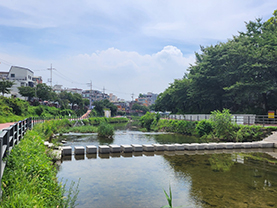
(10, 137)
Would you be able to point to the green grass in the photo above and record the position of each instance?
(80, 129)
(29, 178)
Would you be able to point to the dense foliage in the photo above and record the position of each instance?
(99, 107)
(15, 109)
(5, 86)
(240, 75)
(220, 127)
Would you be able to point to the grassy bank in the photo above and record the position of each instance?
(30, 177)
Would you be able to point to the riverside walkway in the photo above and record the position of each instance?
(5, 125)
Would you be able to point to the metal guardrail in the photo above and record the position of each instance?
(10, 137)
(244, 119)
(266, 120)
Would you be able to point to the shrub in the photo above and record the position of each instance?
(204, 127)
(147, 120)
(105, 130)
(222, 124)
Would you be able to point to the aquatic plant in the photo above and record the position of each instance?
(105, 130)
(169, 199)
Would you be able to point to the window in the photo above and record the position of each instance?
(12, 75)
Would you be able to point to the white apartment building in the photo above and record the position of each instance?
(21, 77)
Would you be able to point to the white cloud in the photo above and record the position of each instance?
(126, 72)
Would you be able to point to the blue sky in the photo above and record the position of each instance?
(125, 46)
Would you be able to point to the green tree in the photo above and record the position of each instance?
(175, 98)
(5, 86)
(44, 92)
(100, 105)
(139, 107)
(27, 92)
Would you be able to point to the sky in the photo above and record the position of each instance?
(122, 47)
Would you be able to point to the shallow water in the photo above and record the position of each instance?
(201, 180)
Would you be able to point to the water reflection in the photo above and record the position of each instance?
(220, 181)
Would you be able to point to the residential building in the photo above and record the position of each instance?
(4, 75)
(95, 95)
(147, 99)
(21, 77)
(57, 88)
(74, 90)
(37, 80)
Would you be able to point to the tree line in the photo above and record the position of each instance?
(240, 75)
(69, 103)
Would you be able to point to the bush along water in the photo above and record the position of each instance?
(105, 130)
(220, 127)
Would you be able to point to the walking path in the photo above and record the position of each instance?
(5, 125)
(272, 138)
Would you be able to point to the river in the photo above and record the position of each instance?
(221, 179)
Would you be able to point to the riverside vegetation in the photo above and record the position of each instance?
(30, 179)
(219, 127)
(30, 176)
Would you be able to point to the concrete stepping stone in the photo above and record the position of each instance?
(91, 149)
(210, 146)
(179, 147)
(190, 146)
(126, 148)
(256, 145)
(103, 149)
(137, 147)
(221, 145)
(229, 145)
(114, 148)
(67, 150)
(238, 145)
(267, 144)
(169, 147)
(158, 147)
(200, 146)
(246, 145)
(79, 150)
(148, 147)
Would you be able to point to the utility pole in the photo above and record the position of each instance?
(132, 96)
(51, 70)
(103, 93)
(90, 93)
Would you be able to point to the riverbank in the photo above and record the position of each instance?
(219, 128)
(29, 179)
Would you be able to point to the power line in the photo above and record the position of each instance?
(2, 61)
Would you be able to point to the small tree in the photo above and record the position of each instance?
(5, 86)
(222, 122)
(27, 92)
